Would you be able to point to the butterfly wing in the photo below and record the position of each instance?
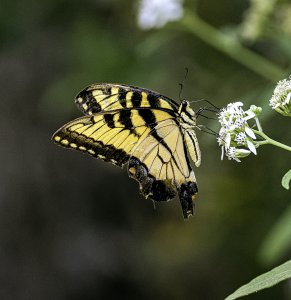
(126, 124)
(111, 97)
(110, 136)
(161, 166)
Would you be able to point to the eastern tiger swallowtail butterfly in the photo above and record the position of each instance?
(149, 132)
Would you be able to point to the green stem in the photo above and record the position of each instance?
(258, 124)
(232, 47)
(270, 141)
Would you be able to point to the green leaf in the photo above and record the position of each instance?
(286, 179)
(278, 240)
(263, 281)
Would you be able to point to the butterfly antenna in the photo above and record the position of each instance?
(181, 84)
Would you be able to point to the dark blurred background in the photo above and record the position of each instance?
(72, 227)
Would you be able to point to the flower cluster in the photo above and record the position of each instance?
(281, 99)
(236, 137)
(156, 13)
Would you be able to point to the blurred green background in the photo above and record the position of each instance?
(72, 227)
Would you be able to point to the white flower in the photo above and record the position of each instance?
(231, 153)
(236, 137)
(236, 154)
(281, 99)
(156, 13)
(241, 138)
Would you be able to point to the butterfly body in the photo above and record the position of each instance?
(151, 133)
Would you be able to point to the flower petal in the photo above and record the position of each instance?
(250, 115)
(287, 100)
(242, 152)
(250, 133)
(252, 147)
(222, 152)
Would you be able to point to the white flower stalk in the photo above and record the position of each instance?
(281, 99)
(236, 137)
(156, 13)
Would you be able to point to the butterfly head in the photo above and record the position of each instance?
(187, 113)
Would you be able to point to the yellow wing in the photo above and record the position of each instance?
(125, 124)
(160, 164)
(111, 97)
(110, 136)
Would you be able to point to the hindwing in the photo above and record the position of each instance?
(160, 164)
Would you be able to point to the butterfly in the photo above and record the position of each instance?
(150, 133)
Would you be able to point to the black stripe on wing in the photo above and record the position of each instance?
(107, 97)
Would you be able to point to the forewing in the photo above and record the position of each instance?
(110, 136)
(160, 164)
(111, 97)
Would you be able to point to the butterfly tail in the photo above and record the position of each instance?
(187, 192)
